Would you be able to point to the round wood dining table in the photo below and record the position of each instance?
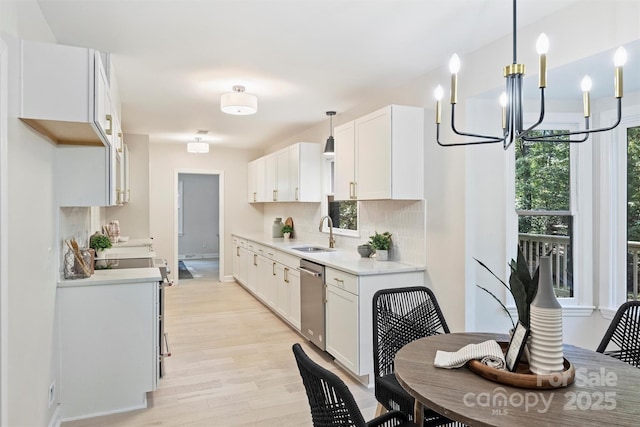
(605, 391)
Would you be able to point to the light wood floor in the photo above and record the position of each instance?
(231, 365)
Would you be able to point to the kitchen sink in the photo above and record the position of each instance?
(311, 249)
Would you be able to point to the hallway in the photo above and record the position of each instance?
(231, 365)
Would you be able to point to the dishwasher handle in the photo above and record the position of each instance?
(310, 272)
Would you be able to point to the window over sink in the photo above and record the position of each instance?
(343, 213)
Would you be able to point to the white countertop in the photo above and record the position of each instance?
(346, 260)
(115, 277)
(134, 242)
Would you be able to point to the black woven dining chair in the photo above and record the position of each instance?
(623, 335)
(331, 402)
(400, 316)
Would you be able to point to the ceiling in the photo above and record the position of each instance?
(175, 58)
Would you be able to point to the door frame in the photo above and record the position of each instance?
(4, 239)
(221, 232)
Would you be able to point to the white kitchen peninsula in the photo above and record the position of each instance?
(350, 282)
(108, 341)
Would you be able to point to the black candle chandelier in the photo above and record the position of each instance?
(511, 101)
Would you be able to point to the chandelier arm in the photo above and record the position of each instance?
(586, 132)
(486, 140)
(490, 138)
(524, 134)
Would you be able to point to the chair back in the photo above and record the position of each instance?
(331, 402)
(400, 316)
(624, 335)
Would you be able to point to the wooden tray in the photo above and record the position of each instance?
(523, 377)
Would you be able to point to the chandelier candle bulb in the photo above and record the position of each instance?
(586, 87)
(454, 67)
(542, 47)
(619, 60)
(503, 104)
(438, 94)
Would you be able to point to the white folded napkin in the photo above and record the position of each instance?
(488, 352)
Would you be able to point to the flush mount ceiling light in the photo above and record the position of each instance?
(198, 147)
(239, 102)
(511, 101)
(329, 149)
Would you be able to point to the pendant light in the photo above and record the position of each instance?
(329, 146)
(239, 102)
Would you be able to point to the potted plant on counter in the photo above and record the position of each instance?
(286, 231)
(381, 243)
(99, 242)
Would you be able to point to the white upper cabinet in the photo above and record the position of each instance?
(292, 174)
(381, 156)
(305, 172)
(68, 94)
(65, 93)
(277, 177)
(256, 180)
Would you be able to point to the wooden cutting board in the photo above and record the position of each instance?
(289, 222)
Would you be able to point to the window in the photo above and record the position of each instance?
(543, 205)
(343, 213)
(633, 211)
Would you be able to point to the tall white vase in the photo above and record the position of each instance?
(546, 354)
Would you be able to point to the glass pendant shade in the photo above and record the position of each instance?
(239, 102)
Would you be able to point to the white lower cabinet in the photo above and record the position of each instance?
(288, 294)
(349, 322)
(252, 273)
(108, 347)
(266, 282)
(342, 326)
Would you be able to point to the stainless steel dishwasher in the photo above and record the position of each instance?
(312, 298)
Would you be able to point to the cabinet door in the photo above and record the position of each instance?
(102, 109)
(266, 280)
(127, 175)
(344, 183)
(305, 170)
(271, 178)
(282, 293)
(252, 192)
(243, 265)
(293, 315)
(342, 327)
(283, 190)
(236, 262)
(294, 172)
(252, 273)
(373, 155)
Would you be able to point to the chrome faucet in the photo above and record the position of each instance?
(332, 241)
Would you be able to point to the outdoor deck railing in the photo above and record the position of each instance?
(559, 248)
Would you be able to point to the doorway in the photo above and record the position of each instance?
(200, 225)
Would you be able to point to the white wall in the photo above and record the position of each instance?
(31, 344)
(165, 160)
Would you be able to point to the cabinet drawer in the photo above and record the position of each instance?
(266, 251)
(341, 280)
(253, 246)
(290, 261)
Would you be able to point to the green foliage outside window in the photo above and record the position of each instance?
(633, 184)
(542, 183)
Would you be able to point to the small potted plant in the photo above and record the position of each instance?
(286, 231)
(99, 242)
(381, 243)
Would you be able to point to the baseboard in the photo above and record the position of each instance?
(55, 420)
(143, 405)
